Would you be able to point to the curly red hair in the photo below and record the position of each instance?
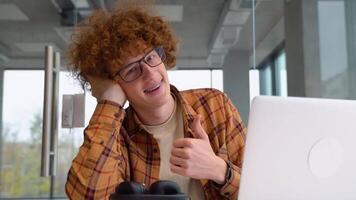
(102, 45)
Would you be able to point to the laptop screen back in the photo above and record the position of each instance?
(300, 149)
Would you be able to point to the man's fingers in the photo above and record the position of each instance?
(180, 152)
(178, 161)
(182, 142)
(198, 131)
(178, 170)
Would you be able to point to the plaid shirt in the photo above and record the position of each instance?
(116, 146)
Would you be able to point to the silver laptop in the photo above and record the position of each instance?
(300, 149)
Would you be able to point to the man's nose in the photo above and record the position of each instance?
(147, 70)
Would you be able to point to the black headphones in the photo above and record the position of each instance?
(159, 190)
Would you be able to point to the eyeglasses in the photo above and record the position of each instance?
(133, 71)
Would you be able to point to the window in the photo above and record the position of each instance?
(266, 80)
(273, 75)
(21, 135)
(189, 79)
(281, 75)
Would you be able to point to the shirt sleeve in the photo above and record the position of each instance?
(235, 143)
(99, 165)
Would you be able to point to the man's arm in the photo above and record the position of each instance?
(99, 166)
(235, 142)
(195, 158)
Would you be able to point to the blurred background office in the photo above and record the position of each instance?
(299, 47)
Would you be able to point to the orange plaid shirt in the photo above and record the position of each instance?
(116, 146)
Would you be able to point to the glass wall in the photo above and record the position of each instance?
(320, 48)
(273, 75)
(21, 135)
(281, 75)
(189, 79)
(306, 48)
(266, 80)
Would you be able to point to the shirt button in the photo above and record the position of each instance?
(155, 150)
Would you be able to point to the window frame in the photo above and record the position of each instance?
(271, 60)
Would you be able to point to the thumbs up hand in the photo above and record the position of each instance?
(194, 157)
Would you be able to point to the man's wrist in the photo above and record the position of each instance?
(223, 170)
(117, 99)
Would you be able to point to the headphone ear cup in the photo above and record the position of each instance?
(164, 187)
(130, 187)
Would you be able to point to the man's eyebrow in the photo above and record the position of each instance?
(144, 55)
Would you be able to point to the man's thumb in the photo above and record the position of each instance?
(197, 129)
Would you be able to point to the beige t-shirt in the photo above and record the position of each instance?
(165, 134)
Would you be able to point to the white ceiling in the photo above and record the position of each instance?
(203, 26)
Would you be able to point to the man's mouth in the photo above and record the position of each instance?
(153, 88)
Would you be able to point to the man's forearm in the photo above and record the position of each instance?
(95, 170)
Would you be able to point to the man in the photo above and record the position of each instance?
(195, 138)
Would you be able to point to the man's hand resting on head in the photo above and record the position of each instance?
(194, 157)
(106, 89)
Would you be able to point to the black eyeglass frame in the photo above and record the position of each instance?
(161, 54)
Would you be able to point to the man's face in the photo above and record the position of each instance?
(151, 89)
